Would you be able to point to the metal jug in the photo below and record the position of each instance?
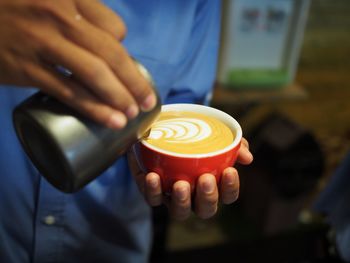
(68, 149)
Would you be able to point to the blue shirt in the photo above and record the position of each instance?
(108, 220)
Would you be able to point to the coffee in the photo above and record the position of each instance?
(189, 133)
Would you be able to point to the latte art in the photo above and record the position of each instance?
(189, 133)
(180, 130)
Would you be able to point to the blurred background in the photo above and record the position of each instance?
(284, 75)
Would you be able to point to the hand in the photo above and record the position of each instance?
(82, 36)
(207, 194)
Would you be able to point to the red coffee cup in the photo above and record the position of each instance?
(173, 167)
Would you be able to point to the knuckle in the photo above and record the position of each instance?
(181, 204)
(121, 29)
(211, 202)
(45, 7)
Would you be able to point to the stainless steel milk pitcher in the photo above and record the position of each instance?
(68, 149)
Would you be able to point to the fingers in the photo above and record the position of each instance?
(153, 189)
(93, 72)
(206, 199)
(102, 17)
(88, 47)
(148, 184)
(180, 204)
(73, 95)
(229, 187)
(117, 59)
(244, 155)
(86, 103)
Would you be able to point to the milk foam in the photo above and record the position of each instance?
(180, 130)
(189, 133)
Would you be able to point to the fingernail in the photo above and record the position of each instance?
(149, 102)
(208, 187)
(181, 193)
(117, 121)
(132, 111)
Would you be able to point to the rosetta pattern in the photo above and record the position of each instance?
(180, 130)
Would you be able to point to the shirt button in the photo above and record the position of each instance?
(49, 220)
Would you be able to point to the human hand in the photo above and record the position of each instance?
(207, 195)
(84, 37)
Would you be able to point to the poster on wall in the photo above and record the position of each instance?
(261, 41)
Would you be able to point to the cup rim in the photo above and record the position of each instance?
(223, 116)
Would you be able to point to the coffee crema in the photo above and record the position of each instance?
(189, 133)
